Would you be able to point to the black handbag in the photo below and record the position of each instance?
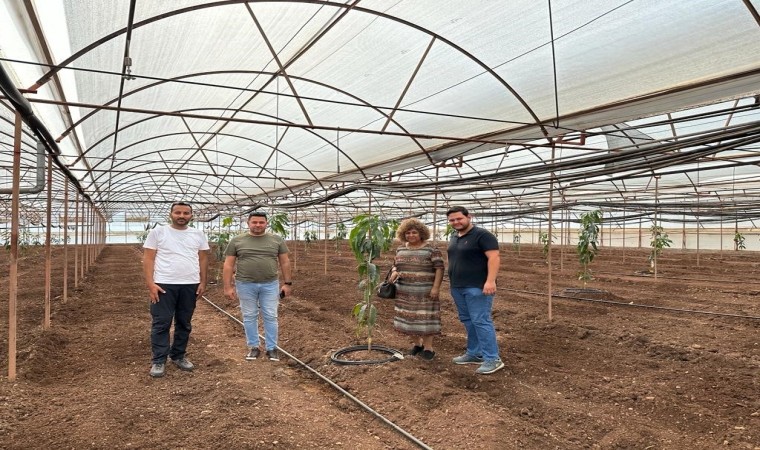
(386, 289)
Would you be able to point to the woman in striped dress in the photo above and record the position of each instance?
(419, 270)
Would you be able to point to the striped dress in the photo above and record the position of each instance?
(416, 313)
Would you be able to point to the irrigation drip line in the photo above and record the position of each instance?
(660, 276)
(395, 355)
(636, 305)
(333, 384)
(676, 278)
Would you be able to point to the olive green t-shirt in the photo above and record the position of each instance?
(257, 256)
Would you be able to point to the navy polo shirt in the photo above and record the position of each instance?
(468, 264)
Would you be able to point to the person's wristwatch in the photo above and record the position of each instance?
(288, 283)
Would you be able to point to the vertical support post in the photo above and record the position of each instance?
(66, 241)
(562, 236)
(624, 213)
(90, 227)
(83, 257)
(519, 231)
(656, 210)
(86, 236)
(87, 233)
(48, 249)
(435, 209)
(532, 231)
(721, 228)
(698, 211)
(326, 238)
(13, 272)
(736, 231)
(549, 233)
(295, 238)
(76, 240)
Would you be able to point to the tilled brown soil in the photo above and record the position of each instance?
(642, 368)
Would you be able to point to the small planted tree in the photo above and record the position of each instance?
(516, 242)
(309, 236)
(144, 234)
(543, 238)
(279, 224)
(340, 234)
(26, 238)
(369, 238)
(659, 241)
(739, 242)
(587, 239)
(449, 231)
(219, 239)
(393, 225)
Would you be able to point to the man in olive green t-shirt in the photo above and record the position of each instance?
(251, 275)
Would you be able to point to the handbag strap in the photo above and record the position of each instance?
(388, 275)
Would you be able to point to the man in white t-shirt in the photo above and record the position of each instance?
(175, 262)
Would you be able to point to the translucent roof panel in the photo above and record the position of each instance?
(233, 103)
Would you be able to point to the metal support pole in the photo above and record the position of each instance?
(549, 234)
(13, 269)
(66, 241)
(48, 249)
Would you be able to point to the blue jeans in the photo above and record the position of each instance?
(178, 304)
(474, 310)
(266, 297)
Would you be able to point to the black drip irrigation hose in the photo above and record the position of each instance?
(395, 355)
(636, 305)
(337, 387)
(639, 275)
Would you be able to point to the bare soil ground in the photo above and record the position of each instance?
(623, 375)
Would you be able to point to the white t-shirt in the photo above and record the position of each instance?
(176, 254)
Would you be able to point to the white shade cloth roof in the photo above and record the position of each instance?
(231, 104)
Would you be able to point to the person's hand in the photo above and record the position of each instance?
(201, 290)
(434, 293)
(394, 276)
(153, 290)
(489, 288)
(286, 289)
(229, 292)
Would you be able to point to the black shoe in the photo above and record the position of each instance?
(272, 355)
(253, 353)
(427, 354)
(416, 350)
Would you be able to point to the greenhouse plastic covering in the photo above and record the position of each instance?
(399, 107)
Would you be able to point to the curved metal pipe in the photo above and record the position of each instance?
(24, 108)
(39, 184)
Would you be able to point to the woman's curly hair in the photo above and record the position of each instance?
(412, 224)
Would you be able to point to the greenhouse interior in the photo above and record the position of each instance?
(530, 114)
(401, 112)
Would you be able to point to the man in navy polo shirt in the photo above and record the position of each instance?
(473, 266)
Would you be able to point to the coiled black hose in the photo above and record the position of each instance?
(395, 355)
